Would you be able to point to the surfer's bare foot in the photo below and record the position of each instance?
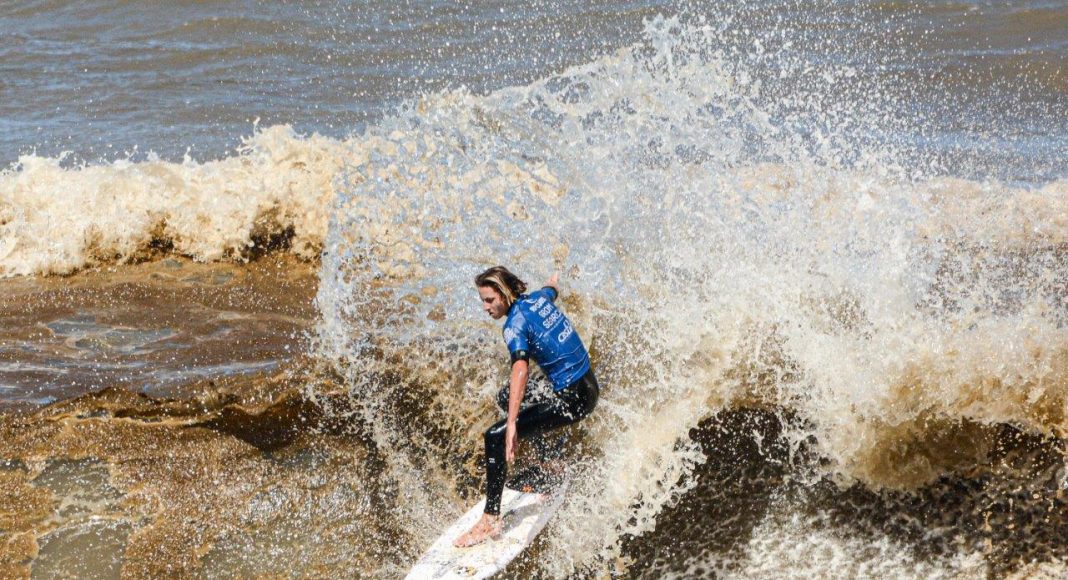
(487, 527)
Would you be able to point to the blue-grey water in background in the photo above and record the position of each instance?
(104, 79)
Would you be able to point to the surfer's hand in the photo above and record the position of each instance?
(553, 282)
(511, 443)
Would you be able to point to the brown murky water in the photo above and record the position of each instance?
(230, 481)
(155, 327)
(190, 450)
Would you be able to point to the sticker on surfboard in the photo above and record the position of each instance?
(526, 511)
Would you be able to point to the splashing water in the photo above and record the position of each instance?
(809, 323)
(714, 257)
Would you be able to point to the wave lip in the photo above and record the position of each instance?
(277, 190)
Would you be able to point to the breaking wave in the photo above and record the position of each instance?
(720, 250)
(275, 193)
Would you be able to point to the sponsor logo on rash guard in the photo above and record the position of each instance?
(566, 332)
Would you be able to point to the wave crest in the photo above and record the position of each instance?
(278, 189)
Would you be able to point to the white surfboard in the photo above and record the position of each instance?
(525, 514)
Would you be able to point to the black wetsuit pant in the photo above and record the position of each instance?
(543, 413)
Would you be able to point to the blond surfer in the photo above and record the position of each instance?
(534, 328)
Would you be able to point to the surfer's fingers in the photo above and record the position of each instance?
(511, 445)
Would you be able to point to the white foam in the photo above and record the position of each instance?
(54, 219)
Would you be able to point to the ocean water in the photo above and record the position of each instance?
(817, 250)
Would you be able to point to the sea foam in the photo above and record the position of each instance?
(56, 219)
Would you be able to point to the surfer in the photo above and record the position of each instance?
(534, 328)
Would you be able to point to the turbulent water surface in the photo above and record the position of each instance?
(818, 250)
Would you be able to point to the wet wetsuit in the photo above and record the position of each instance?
(536, 328)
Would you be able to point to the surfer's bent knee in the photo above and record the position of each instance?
(494, 436)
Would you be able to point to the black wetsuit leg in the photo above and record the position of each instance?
(565, 407)
(539, 390)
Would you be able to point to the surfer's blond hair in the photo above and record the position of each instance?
(505, 283)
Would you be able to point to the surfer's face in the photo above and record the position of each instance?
(492, 302)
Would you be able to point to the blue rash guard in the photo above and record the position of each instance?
(537, 328)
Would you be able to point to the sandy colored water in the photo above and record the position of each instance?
(245, 477)
(154, 327)
(229, 481)
(120, 482)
